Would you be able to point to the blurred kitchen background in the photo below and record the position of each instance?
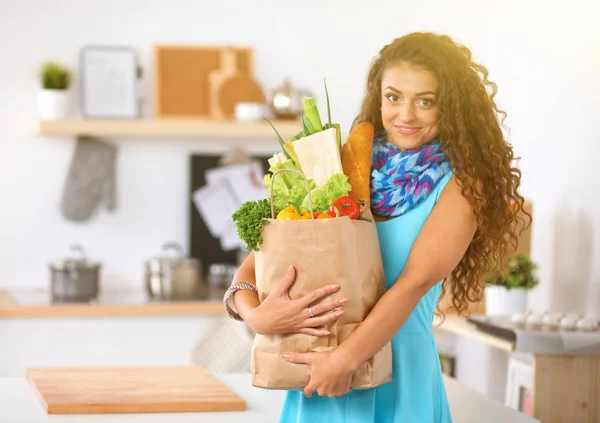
(151, 164)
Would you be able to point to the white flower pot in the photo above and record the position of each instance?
(53, 104)
(500, 301)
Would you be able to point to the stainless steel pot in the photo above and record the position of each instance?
(174, 278)
(75, 279)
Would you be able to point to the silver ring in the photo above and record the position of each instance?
(310, 312)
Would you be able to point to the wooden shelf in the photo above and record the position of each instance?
(460, 326)
(168, 128)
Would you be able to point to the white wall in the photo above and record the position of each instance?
(545, 57)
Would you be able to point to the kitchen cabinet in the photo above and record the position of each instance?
(121, 331)
(564, 387)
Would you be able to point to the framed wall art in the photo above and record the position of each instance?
(109, 82)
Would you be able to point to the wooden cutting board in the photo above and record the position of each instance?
(238, 89)
(131, 390)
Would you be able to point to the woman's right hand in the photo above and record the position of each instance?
(279, 314)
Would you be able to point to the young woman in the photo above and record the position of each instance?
(445, 196)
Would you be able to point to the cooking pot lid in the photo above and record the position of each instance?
(80, 263)
(71, 264)
(177, 257)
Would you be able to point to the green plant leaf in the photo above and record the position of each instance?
(519, 272)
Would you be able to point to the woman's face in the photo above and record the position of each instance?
(409, 109)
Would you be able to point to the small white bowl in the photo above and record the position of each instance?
(250, 111)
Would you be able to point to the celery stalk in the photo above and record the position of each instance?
(312, 113)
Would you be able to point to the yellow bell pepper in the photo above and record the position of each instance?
(289, 213)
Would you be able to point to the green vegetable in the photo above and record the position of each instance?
(328, 105)
(323, 196)
(281, 142)
(311, 113)
(289, 188)
(250, 219)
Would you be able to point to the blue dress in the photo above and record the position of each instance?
(416, 393)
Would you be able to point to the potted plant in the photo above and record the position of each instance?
(506, 291)
(53, 98)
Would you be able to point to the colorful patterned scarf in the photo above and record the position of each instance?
(402, 179)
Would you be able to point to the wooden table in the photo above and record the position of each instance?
(566, 388)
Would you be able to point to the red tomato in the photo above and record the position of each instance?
(345, 206)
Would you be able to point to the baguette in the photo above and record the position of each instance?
(356, 160)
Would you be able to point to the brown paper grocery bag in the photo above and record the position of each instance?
(323, 251)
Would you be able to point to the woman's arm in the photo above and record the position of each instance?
(278, 313)
(437, 250)
(244, 301)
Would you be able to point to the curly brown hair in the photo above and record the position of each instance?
(471, 134)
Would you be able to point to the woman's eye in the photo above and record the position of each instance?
(393, 98)
(425, 102)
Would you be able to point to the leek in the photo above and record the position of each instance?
(309, 129)
(312, 113)
(289, 149)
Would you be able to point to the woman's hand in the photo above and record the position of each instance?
(330, 374)
(278, 314)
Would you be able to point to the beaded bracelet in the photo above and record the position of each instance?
(238, 286)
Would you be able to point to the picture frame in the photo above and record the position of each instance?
(109, 82)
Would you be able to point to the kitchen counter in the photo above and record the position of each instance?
(18, 404)
(111, 303)
(566, 386)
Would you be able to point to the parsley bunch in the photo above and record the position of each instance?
(250, 219)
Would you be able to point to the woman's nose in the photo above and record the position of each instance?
(407, 112)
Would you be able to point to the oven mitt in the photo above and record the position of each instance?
(90, 180)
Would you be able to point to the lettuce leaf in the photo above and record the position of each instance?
(289, 189)
(323, 196)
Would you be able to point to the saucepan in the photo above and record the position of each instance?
(75, 278)
(173, 276)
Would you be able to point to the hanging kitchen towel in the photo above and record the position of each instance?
(225, 347)
(91, 179)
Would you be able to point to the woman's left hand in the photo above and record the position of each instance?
(330, 374)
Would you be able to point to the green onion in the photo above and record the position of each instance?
(328, 106)
(281, 142)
